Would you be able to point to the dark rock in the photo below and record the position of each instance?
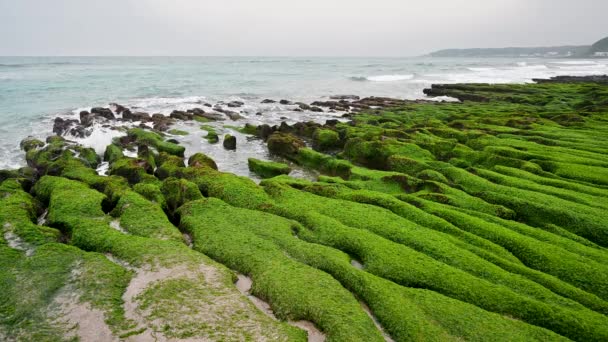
(86, 118)
(316, 109)
(331, 122)
(298, 110)
(161, 126)
(258, 113)
(207, 105)
(118, 109)
(284, 144)
(61, 126)
(574, 79)
(196, 111)
(233, 115)
(79, 131)
(235, 104)
(285, 102)
(137, 116)
(344, 97)
(211, 116)
(173, 141)
(229, 142)
(283, 118)
(268, 101)
(103, 112)
(181, 115)
(303, 106)
(264, 131)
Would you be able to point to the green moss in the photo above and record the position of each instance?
(152, 139)
(177, 132)
(134, 170)
(325, 139)
(112, 153)
(201, 160)
(141, 217)
(283, 282)
(266, 169)
(178, 192)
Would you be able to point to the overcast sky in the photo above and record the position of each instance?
(291, 27)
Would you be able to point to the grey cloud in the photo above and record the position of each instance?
(283, 27)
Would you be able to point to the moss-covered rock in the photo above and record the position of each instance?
(201, 160)
(266, 169)
(229, 142)
(133, 169)
(325, 139)
(284, 144)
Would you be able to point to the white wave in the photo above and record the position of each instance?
(390, 78)
(100, 138)
(522, 64)
(478, 69)
(156, 101)
(581, 62)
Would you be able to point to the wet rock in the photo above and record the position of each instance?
(137, 116)
(30, 143)
(229, 142)
(284, 144)
(325, 139)
(267, 169)
(305, 129)
(79, 131)
(200, 160)
(316, 109)
(103, 112)
(298, 110)
(233, 115)
(331, 122)
(258, 113)
(207, 105)
(344, 97)
(285, 102)
(181, 115)
(235, 104)
(211, 116)
(268, 101)
(264, 131)
(303, 106)
(62, 126)
(118, 109)
(196, 111)
(86, 118)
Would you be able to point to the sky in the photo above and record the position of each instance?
(290, 27)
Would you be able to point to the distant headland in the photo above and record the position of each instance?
(597, 50)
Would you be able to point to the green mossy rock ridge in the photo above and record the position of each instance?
(325, 139)
(480, 221)
(267, 169)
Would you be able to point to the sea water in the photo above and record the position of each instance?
(35, 90)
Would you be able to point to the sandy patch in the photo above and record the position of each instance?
(115, 224)
(244, 284)
(81, 320)
(15, 242)
(314, 334)
(367, 310)
(356, 264)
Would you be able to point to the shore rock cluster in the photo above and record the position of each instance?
(478, 220)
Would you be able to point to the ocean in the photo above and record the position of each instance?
(35, 90)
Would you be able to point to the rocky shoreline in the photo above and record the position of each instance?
(471, 220)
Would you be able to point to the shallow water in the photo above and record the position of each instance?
(34, 90)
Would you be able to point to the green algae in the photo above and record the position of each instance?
(266, 169)
(480, 220)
